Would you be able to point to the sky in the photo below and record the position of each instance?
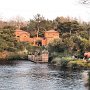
(50, 9)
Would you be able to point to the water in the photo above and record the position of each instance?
(26, 75)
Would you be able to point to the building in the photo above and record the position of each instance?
(24, 36)
(51, 35)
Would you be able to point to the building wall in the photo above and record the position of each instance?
(25, 36)
(51, 35)
(44, 42)
(22, 35)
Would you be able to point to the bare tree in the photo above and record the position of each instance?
(85, 2)
(18, 20)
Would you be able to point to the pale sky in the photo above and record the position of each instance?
(50, 9)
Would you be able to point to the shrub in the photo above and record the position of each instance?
(68, 62)
(68, 58)
(88, 64)
(77, 64)
(60, 62)
(73, 65)
(56, 46)
(56, 61)
(64, 63)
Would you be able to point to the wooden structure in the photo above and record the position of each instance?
(43, 57)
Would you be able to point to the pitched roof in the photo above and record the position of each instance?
(52, 31)
(17, 30)
(21, 31)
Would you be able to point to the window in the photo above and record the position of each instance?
(24, 36)
(18, 36)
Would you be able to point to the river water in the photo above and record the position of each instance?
(26, 75)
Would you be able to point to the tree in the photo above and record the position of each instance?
(18, 21)
(69, 27)
(8, 41)
(56, 46)
(87, 2)
(38, 25)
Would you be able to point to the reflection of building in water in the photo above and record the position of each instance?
(24, 36)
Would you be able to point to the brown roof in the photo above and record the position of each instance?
(17, 30)
(21, 31)
(52, 31)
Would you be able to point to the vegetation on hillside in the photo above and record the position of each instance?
(74, 35)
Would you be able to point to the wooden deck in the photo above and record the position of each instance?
(42, 58)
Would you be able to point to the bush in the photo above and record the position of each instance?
(56, 46)
(60, 62)
(64, 63)
(77, 64)
(56, 61)
(73, 65)
(16, 56)
(68, 58)
(68, 62)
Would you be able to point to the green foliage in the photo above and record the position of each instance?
(33, 49)
(74, 36)
(39, 24)
(7, 39)
(69, 27)
(77, 64)
(64, 63)
(9, 27)
(84, 34)
(56, 46)
(60, 62)
(16, 56)
(68, 62)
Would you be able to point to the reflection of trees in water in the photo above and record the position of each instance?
(7, 62)
(86, 78)
(89, 80)
(71, 78)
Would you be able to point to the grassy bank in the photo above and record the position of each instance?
(69, 62)
(12, 55)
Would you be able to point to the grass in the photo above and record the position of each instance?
(69, 62)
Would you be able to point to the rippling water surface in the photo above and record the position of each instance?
(26, 75)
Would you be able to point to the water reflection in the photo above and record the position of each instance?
(89, 80)
(6, 62)
(26, 75)
(86, 78)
